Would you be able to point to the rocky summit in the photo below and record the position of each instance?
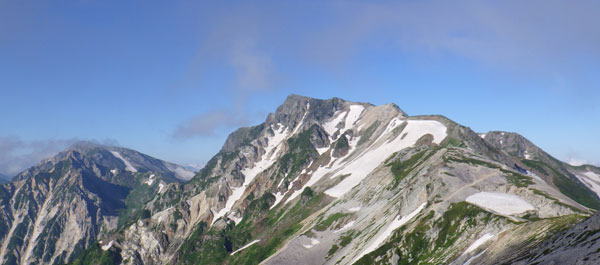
(318, 182)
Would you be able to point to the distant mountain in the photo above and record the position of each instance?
(56, 209)
(318, 182)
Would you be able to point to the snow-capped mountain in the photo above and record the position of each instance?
(338, 182)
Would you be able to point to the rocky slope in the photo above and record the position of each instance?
(577, 245)
(339, 182)
(54, 210)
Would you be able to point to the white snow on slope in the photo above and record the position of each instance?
(313, 242)
(395, 224)
(108, 246)
(373, 157)
(150, 180)
(161, 187)
(354, 209)
(267, 159)
(590, 179)
(502, 203)
(352, 117)
(278, 198)
(468, 262)
(331, 126)
(128, 165)
(245, 246)
(345, 227)
(479, 242)
(360, 167)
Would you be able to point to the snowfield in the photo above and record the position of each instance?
(128, 165)
(150, 180)
(361, 166)
(479, 242)
(107, 246)
(352, 117)
(331, 126)
(502, 203)
(244, 247)
(592, 180)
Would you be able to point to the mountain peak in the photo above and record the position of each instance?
(85, 146)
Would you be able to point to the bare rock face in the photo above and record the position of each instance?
(56, 209)
(321, 182)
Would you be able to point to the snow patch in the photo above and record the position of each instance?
(278, 197)
(114, 171)
(345, 227)
(313, 242)
(468, 262)
(360, 167)
(395, 224)
(322, 150)
(591, 180)
(245, 246)
(503, 203)
(354, 209)
(128, 165)
(331, 126)
(161, 187)
(527, 155)
(479, 242)
(352, 117)
(150, 180)
(108, 246)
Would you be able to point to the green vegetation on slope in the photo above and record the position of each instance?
(271, 227)
(95, 256)
(401, 168)
(512, 177)
(301, 150)
(417, 247)
(569, 187)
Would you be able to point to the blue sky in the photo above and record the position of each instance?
(173, 78)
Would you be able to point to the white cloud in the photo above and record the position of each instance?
(206, 124)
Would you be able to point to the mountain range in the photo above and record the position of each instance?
(318, 182)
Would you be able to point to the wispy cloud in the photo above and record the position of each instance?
(237, 42)
(18, 154)
(207, 124)
(555, 40)
(524, 35)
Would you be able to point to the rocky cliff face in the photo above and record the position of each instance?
(54, 210)
(339, 182)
